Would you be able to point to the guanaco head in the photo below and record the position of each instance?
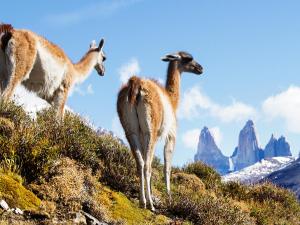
(185, 62)
(99, 67)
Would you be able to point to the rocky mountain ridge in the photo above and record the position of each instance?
(247, 153)
(209, 152)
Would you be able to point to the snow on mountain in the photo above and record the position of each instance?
(287, 177)
(259, 170)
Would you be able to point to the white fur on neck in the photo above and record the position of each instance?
(168, 126)
(83, 75)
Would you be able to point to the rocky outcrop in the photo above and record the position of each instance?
(277, 148)
(209, 153)
(248, 152)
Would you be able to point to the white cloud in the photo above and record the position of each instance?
(89, 12)
(129, 69)
(79, 90)
(190, 138)
(90, 89)
(195, 103)
(216, 133)
(285, 105)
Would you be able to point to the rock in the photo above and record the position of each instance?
(80, 219)
(18, 211)
(269, 151)
(38, 215)
(92, 220)
(209, 153)
(276, 148)
(247, 152)
(282, 148)
(4, 205)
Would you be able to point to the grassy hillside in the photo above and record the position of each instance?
(56, 171)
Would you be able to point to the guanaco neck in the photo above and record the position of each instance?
(173, 83)
(86, 64)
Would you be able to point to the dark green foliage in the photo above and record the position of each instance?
(119, 169)
(205, 209)
(234, 190)
(207, 174)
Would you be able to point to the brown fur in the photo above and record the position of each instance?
(84, 61)
(134, 85)
(5, 33)
(173, 84)
(152, 101)
(23, 49)
(5, 28)
(53, 48)
(145, 119)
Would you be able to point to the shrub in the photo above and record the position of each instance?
(267, 191)
(235, 190)
(207, 174)
(119, 168)
(6, 128)
(205, 209)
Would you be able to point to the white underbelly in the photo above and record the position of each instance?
(47, 74)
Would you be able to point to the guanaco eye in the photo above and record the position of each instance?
(187, 59)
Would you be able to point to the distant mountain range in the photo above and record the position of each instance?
(245, 154)
(287, 177)
(254, 173)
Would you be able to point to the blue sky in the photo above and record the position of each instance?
(250, 51)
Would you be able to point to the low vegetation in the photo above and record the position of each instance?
(54, 170)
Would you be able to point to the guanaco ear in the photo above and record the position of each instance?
(186, 56)
(171, 57)
(101, 44)
(93, 44)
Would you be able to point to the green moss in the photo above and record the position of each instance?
(16, 195)
(121, 208)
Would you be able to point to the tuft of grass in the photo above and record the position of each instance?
(6, 128)
(235, 190)
(268, 204)
(119, 168)
(206, 209)
(207, 174)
